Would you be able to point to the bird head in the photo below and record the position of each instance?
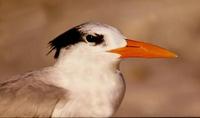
(96, 38)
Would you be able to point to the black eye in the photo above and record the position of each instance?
(91, 38)
(97, 39)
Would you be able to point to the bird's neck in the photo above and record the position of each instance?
(91, 79)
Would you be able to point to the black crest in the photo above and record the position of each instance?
(66, 39)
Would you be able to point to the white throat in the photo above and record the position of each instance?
(92, 79)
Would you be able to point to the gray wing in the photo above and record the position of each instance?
(26, 96)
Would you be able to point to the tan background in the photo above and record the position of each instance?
(155, 87)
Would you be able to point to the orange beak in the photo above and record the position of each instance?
(143, 50)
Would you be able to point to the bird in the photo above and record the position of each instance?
(84, 81)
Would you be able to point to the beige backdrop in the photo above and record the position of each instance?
(155, 87)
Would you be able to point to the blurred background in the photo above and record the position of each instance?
(155, 87)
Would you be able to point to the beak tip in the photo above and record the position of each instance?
(173, 55)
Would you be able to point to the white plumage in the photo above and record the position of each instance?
(91, 75)
(87, 73)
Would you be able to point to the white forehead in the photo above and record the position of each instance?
(112, 36)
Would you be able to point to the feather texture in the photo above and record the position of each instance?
(28, 96)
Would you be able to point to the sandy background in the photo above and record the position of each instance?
(155, 87)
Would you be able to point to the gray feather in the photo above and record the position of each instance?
(28, 96)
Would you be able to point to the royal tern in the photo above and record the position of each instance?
(85, 80)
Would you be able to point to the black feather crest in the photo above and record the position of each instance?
(66, 39)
